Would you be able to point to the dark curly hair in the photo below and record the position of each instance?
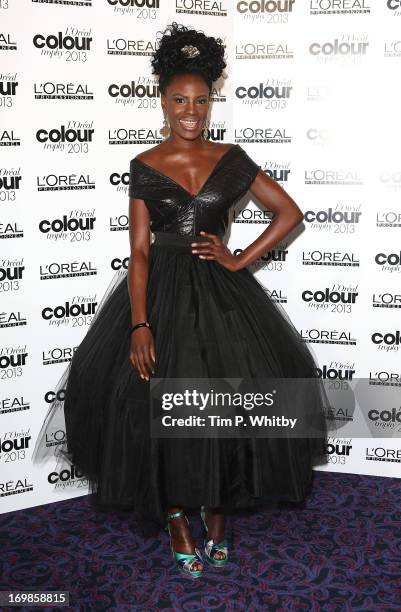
(169, 60)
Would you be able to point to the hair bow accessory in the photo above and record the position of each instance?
(190, 51)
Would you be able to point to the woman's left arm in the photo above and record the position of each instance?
(286, 216)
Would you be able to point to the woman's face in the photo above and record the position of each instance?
(186, 104)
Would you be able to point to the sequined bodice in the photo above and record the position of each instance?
(172, 208)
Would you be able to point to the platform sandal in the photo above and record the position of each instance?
(184, 561)
(211, 547)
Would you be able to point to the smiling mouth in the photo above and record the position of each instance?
(189, 125)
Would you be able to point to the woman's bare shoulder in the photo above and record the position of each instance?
(221, 147)
(151, 154)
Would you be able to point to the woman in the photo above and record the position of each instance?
(187, 308)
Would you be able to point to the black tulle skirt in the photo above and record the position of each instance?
(207, 322)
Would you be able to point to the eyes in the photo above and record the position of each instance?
(180, 99)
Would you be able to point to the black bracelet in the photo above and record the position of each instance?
(144, 324)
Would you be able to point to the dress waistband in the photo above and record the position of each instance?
(176, 240)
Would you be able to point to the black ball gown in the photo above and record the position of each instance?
(207, 322)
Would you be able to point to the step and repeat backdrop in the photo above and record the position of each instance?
(311, 92)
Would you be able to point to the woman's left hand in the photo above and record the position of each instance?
(216, 250)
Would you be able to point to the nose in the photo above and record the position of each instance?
(191, 108)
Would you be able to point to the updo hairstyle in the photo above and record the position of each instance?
(182, 50)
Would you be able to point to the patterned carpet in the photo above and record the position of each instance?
(341, 551)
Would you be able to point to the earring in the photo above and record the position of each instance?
(165, 131)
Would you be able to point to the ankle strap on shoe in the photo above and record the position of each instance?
(170, 517)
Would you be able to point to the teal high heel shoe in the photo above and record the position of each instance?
(211, 547)
(184, 561)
